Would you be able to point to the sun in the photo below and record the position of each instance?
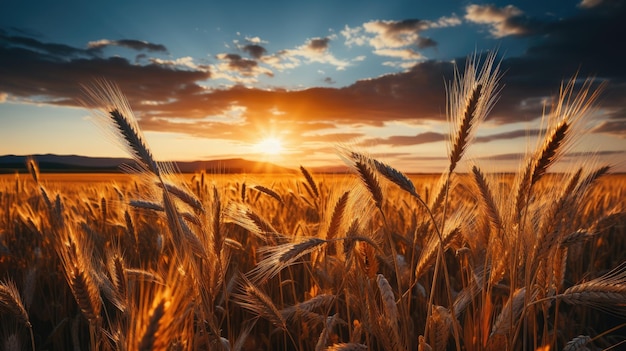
(269, 146)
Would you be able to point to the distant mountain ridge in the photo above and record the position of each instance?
(50, 163)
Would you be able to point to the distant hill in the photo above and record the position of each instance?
(50, 163)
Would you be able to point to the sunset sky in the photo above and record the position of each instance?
(288, 81)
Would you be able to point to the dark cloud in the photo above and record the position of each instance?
(507, 135)
(55, 77)
(570, 156)
(423, 43)
(243, 66)
(613, 127)
(138, 45)
(408, 25)
(53, 50)
(254, 50)
(318, 44)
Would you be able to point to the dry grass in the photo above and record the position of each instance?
(375, 260)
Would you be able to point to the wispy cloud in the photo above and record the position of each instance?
(612, 127)
(406, 140)
(316, 50)
(507, 135)
(138, 45)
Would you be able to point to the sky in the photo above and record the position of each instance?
(291, 81)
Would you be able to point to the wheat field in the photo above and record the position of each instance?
(370, 260)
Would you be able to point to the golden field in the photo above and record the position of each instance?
(297, 268)
(370, 260)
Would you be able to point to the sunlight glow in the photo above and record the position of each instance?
(269, 146)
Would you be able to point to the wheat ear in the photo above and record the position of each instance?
(11, 301)
(510, 314)
(325, 334)
(86, 294)
(149, 334)
(310, 181)
(257, 302)
(276, 258)
(107, 95)
(602, 292)
(337, 216)
(470, 99)
(577, 343)
(371, 181)
(487, 197)
(183, 195)
(318, 302)
(390, 173)
(347, 347)
(440, 326)
(270, 192)
(388, 298)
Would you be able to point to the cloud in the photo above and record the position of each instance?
(504, 21)
(319, 45)
(234, 63)
(254, 50)
(51, 50)
(431, 137)
(507, 135)
(187, 62)
(405, 54)
(314, 50)
(396, 39)
(590, 3)
(170, 95)
(612, 127)
(354, 36)
(3, 97)
(138, 45)
(53, 73)
(406, 140)
(395, 34)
